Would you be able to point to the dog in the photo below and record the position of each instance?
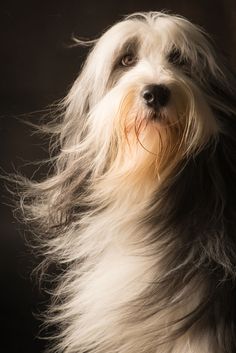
(139, 209)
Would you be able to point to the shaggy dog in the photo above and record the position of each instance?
(140, 207)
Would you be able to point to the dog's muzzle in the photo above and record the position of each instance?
(156, 96)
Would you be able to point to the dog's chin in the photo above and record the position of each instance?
(159, 116)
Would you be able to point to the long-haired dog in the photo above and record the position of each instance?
(140, 207)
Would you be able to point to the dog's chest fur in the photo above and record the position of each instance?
(112, 290)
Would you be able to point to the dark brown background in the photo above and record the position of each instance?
(37, 68)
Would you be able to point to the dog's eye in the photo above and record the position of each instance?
(128, 60)
(176, 58)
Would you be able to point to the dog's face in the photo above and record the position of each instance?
(148, 93)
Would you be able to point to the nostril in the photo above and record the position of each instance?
(148, 96)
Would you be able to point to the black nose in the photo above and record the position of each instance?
(156, 96)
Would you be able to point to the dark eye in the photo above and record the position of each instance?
(176, 58)
(128, 60)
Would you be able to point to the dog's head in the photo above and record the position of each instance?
(154, 101)
(148, 96)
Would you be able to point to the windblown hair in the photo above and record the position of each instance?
(140, 206)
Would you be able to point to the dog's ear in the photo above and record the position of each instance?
(223, 93)
(213, 174)
(55, 198)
